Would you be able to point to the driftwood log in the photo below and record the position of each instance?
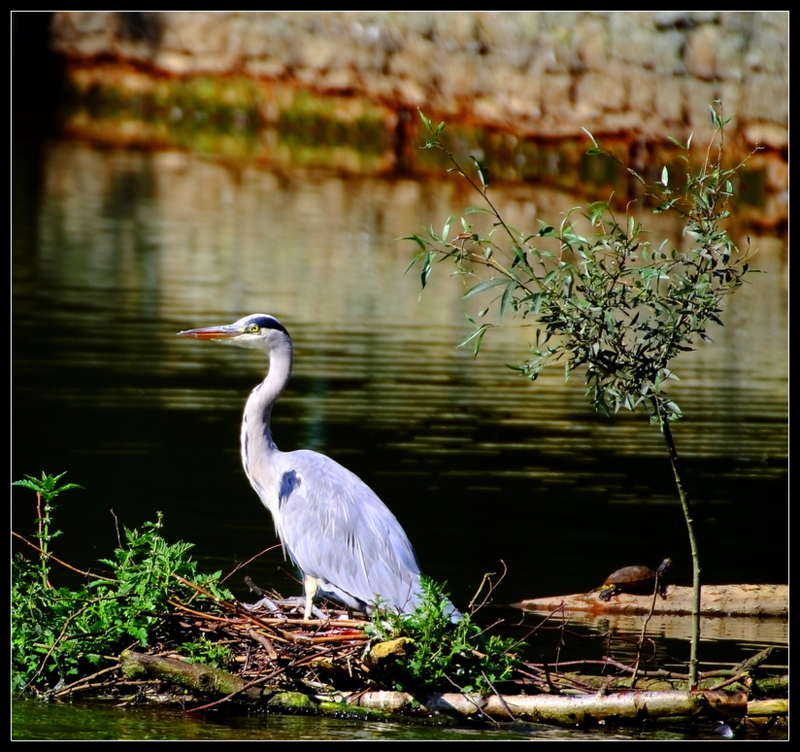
(623, 707)
(717, 600)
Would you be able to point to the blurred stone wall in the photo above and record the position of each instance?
(538, 73)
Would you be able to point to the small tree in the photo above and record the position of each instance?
(611, 301)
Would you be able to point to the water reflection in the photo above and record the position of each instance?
(114, 252)
(33, 720)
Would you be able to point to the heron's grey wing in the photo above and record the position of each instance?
(337, 530)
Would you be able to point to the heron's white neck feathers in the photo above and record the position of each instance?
(257, 443)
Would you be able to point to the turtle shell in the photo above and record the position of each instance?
(631, 578)
(637, 580)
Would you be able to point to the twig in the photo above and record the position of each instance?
(486, 581)
(81, 683)
(245, 563)
(62, 563)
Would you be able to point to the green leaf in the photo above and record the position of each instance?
(446, 228)
(597, 209)
(550, 276)
(483, 172)
(521, 259)
(414, 262)
(418, 240)
(31, 484)
(507, 301)
(485, 285)
(594, 142)
(426, 268)
(426, 121)
(476, 338)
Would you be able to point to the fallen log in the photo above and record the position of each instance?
(716, 600)
(212, 682)
(196, 676)
(623, 707)
(764, 708)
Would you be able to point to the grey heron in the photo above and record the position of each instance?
(335, 529)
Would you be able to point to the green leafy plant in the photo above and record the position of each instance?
(443, 655)
(606, 299)
(47, 488)
(202, 650)
(59, 633)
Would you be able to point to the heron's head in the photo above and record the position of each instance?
(257, 331)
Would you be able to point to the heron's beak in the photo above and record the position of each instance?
(212, 332)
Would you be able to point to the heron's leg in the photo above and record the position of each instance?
(311, 586)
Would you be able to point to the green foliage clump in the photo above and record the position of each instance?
(202, 650)
(59, 633)
(445, 656)
(610, 299)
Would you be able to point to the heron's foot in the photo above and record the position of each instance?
(295, 604)
(269, 604)
(317, 613)
(277, 605)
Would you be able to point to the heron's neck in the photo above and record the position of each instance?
(256, 432)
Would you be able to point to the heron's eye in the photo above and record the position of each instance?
(253, 328)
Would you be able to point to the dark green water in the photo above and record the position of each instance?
(114, 252)
(32, 721)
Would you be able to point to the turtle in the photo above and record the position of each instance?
(637, 580)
